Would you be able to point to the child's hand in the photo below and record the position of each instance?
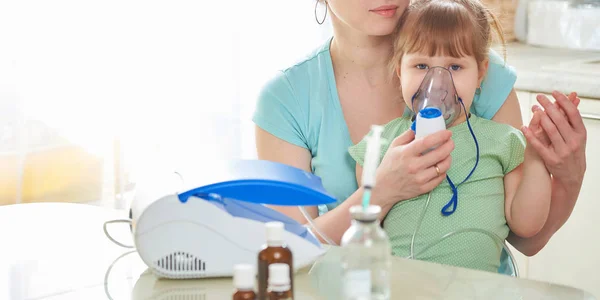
(535, 128)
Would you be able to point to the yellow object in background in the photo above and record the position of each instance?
(63, 173)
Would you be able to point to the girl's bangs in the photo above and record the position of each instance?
(441, 28)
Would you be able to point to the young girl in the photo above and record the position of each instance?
(509, 187)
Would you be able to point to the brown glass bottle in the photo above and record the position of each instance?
(243, 280)
(244, 295)
(279, 282)
(287, 295)
(275, 251)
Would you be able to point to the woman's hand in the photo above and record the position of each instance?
(559, 137)
(405, 173)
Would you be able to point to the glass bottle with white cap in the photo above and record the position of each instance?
(365, 256)
(275, 251)
(243, 280)
(279, 282)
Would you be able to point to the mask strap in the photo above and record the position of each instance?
(454, 201)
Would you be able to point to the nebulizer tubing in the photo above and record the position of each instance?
(371, 162)
(412, 255)
(313, 226)
(499, 242)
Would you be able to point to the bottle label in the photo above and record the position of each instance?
(357, 283)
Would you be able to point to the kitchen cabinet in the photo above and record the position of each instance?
(572, 257)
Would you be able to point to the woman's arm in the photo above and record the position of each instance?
(567, 167)
(403, 157)
(271, 148)
(335, 222)
(510, 112)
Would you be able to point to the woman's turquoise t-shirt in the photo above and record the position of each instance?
(300, 105)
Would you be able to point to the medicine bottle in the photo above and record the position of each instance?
(275, 251)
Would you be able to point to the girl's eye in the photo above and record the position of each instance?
(455, 67)
(421, 66)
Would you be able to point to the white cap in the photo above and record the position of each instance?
(279, 277)
(274, 233)
(366, 215)
(243, 276)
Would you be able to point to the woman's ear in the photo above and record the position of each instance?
(398, 71)
(483, 68)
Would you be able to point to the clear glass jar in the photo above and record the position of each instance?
(365, 257)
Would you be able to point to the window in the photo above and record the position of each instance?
(93, 94)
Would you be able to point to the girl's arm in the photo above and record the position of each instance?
(527, 196)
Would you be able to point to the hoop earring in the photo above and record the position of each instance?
(325, 16)
(477, 91)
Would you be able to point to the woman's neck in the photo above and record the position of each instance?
(360, 52)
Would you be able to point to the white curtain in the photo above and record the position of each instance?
(95, 93)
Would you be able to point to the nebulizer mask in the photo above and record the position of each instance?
(436, 103)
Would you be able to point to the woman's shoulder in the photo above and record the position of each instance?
(497, 84)
(313, 68)
(293, 96)
(302, 74)
(312, 58)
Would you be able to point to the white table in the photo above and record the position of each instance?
(58, 251)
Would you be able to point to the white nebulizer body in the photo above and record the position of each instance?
(428, 121)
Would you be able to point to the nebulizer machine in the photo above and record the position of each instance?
(216, 220)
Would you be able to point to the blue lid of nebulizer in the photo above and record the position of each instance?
(430, 113)
(426, 113)
(266, 182)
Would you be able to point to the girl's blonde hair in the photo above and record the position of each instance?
(446, 27)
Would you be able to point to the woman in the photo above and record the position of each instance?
(310, 114)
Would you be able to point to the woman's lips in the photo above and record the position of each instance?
(386, 10)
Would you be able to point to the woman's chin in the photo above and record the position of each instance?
(380, 28)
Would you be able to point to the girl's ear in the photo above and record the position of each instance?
(398, 71)
(483, 68)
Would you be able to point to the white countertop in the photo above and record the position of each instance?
(543, 70)
(57, 251)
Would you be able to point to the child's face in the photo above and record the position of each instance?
(466, 74)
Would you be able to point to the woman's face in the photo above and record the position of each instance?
(378, 18)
